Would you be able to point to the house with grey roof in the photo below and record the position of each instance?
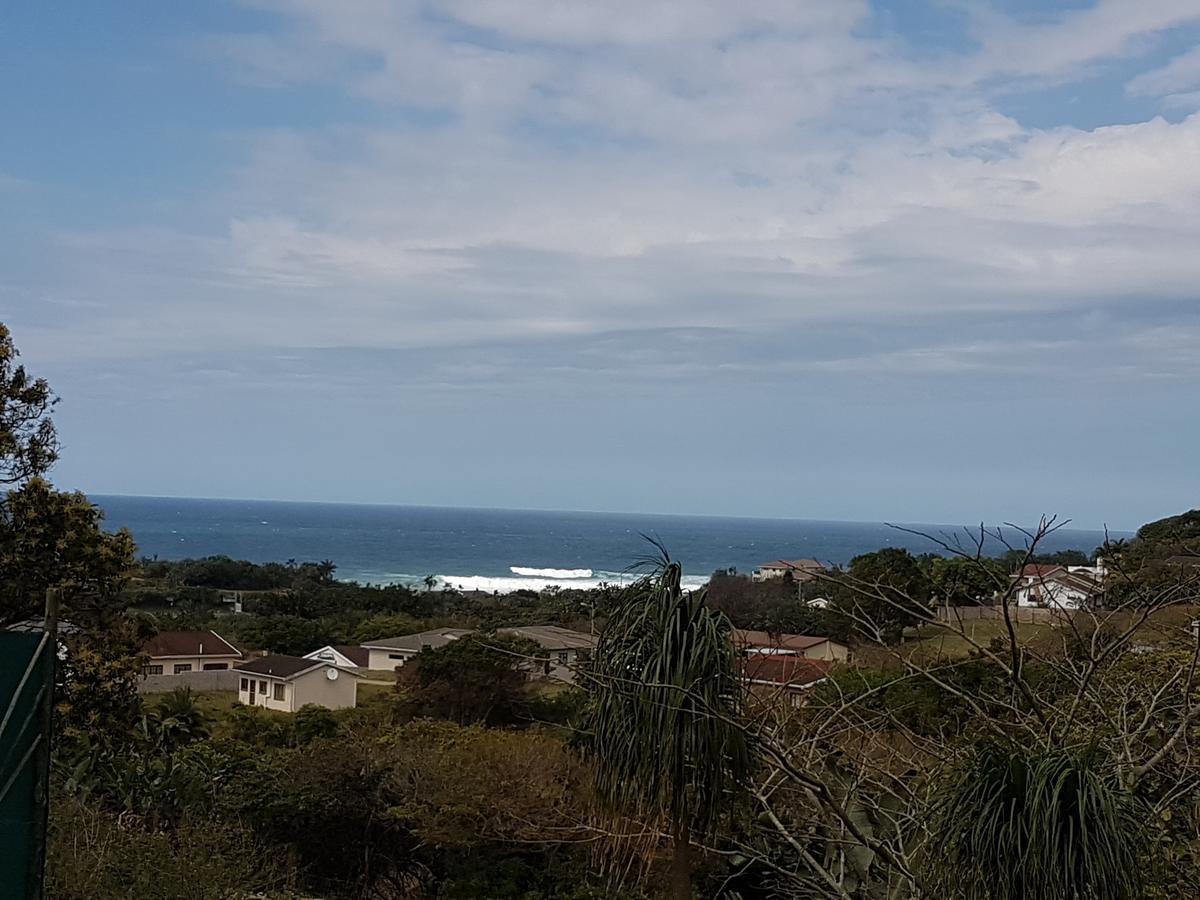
(562, 647)
(388, 653)
(287, 683)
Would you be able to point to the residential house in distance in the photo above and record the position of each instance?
(790, 675)
(287, 683)
(762, 643)
(562, 646)
(347, 656)
(388, 653)
(177, 652)
(799, 569)
(1060, 587)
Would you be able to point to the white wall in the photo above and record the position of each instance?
(387, 660)
(196, 662)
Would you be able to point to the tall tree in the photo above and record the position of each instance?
(28, 441)
(665, 697)
(47, 538)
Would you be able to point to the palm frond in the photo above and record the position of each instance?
(1015, 825)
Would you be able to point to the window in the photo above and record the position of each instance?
(153, 670)
(262, 687)
(180, 668)
(278, 695)
(399, 656)
(215, 667)
(245, 685)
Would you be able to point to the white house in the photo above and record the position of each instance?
(286, 683)
(388, 653)
(803, 645)
(1059, 588)
(799, 569)
(177, 652)
(347, 656)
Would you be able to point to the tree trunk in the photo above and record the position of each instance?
(681, 865)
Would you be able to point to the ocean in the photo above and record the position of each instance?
(494, 549)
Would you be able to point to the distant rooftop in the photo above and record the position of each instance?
(436, 637)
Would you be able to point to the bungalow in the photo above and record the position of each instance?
(1059, 589)
(562, 646)
(347, 656)
(286, 683)
(176, 652)
(762, 643)
(792, 675)
(388, 653)
(799, 569)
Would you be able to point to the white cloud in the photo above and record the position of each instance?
(1179, 75)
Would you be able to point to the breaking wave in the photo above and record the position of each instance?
(550, 573)
(503, 584)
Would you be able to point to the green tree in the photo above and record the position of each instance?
(883, 592)
(53, 539)
(962, 581)
(661, 721)
(28, 441)
(477, 678)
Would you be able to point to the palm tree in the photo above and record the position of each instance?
(1051, 825)
(665, 694)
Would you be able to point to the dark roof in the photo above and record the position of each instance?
(280, 666)
(551, 637)
(189, 643)
(762, 639)
(438, 637)
(785, 671)
(360, 656)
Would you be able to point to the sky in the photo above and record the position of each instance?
(917, 261)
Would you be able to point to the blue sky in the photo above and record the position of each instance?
(912, 261)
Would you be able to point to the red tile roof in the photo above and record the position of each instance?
(785, 671)
(189, 643)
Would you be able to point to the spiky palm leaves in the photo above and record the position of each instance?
(665, 696)
(1017, 825)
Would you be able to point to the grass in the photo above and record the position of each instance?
(1167, 627)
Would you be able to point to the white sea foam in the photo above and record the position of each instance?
(506, 585)
(550, 573)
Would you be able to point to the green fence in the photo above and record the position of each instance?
(26, 668)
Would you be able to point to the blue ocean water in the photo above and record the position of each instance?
(498, 550)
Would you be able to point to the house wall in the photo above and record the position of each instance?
(387, 660)
(261, 697)
(197, 681)
(314, 687)
(196, 662)
(830, 651)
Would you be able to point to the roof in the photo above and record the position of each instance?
(1182, 560)
(189, 643)
(1077, 580)
(785, 671)
(437, 637)
(797, 642)
(284, 667)
(551, 637)
(793, 564)
(358, 656)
